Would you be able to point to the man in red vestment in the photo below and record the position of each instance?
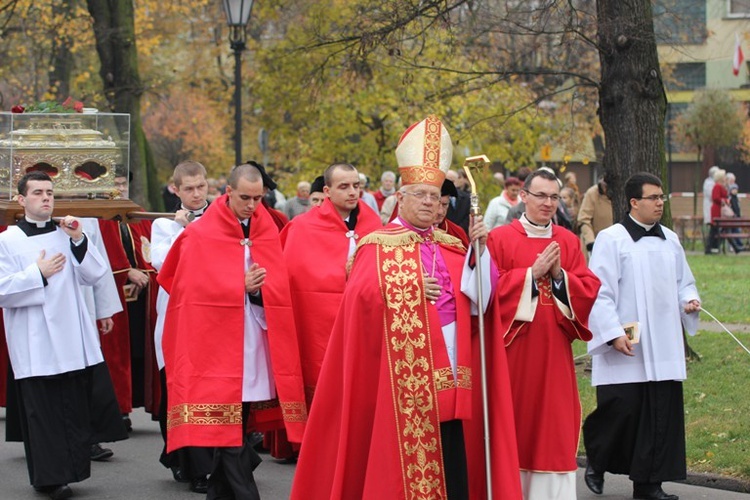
(544, 296)
(394, 404)
(230, 349)
(317, 246)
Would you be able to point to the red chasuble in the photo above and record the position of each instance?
(540, 358)
(204, 330)
(316, 250)
(386, 382)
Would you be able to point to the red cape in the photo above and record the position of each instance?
(116, 344)
(540, 358)
(455, 230)
(204, 329)
(316, 250)
(356, 444)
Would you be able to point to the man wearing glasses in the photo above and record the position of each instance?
(648, 294)
(544, 295)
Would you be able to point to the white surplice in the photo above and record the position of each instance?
(48, 328)
(164, 232)
(648, 281)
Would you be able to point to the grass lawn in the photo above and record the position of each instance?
(723, 282)
(717, 397)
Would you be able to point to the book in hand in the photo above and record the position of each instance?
(130, 291)
(633, 331)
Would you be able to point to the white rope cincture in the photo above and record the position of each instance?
(725, 329)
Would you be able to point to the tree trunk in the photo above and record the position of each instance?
(114, 29)
(632, 102)
(61, 66)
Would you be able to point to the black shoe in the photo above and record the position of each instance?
(199, 485)
(256, 441)
(594, 480)
(128, 423)
(179, 475)
(60, 492)
(99, 454)
(651, 492)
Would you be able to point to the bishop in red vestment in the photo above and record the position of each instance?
(544, 296)
(394, 408)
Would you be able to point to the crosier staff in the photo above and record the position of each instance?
(478, 163)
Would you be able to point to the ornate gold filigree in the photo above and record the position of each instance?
(410, 358)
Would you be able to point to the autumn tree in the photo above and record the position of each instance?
(184, 126)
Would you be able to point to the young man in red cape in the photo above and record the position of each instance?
(543, 299)
(317, 246)
(394, 411)
(230, 349)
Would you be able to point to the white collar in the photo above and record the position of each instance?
(36, 222)
(647, 227)
(535, 230)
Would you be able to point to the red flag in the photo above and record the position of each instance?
(738, 56)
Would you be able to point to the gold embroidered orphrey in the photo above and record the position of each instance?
(230, 414)
(204, 414)
(410, 362)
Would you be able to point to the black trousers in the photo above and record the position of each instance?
(232, 474)
(454, 459)
(195, 462)
(638, 429)
(104, 412)
(56, 427)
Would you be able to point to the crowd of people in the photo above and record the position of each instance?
(339, 329)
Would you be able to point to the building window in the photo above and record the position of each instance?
(680, 21)
(738, 8)
(685, 76)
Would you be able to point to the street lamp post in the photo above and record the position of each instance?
(238, 15)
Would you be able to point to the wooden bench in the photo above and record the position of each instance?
(726, 227)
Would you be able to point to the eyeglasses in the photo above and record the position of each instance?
(554, 198)
(421, 195)
(654, 197)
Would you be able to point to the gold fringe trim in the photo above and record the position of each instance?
(441, 236)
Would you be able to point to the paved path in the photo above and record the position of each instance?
(135, 473)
